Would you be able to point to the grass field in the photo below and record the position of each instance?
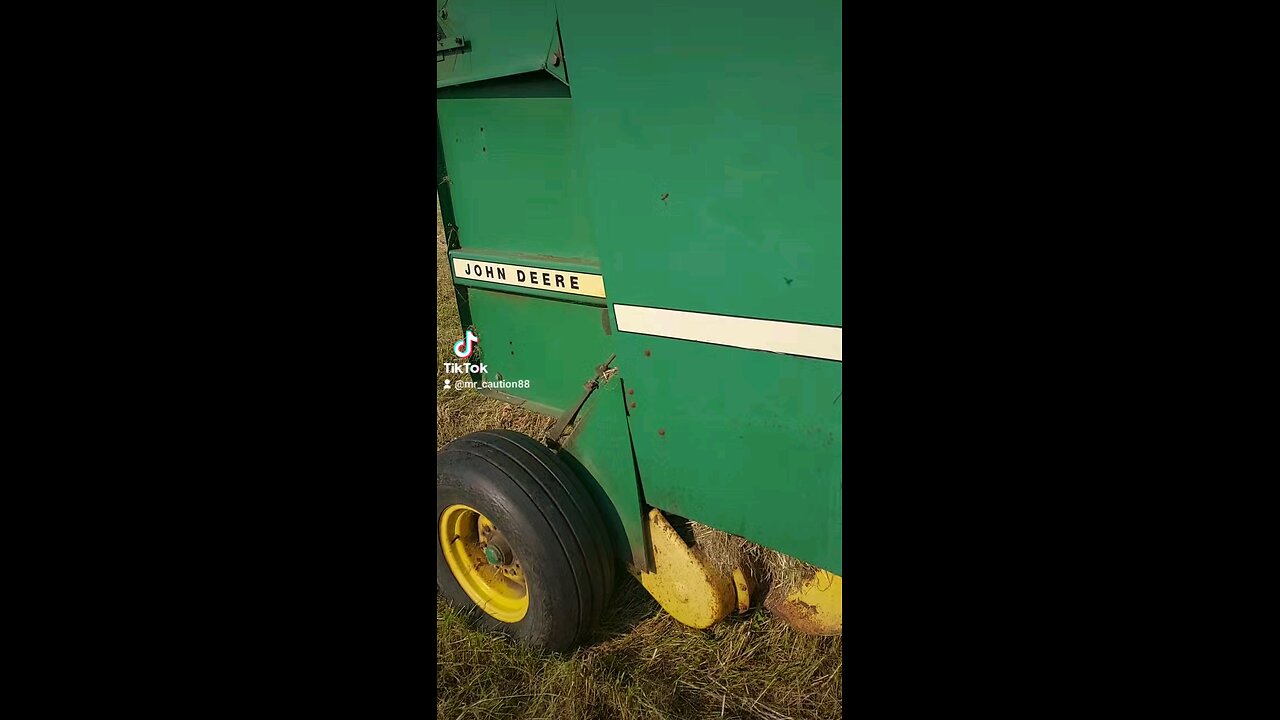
(642, 663)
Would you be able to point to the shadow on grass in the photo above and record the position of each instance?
(630, 606)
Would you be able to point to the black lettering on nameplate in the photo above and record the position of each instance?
(559, 281)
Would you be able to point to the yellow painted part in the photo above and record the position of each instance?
(816, 607)
(683, 583)
(743, 588)
(500, 590)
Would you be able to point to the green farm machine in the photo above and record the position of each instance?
(643, 209)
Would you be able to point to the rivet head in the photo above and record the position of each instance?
(631, 391)
(647, 353)
(633, 405)
(661, 431)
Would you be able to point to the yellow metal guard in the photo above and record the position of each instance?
(683, 582)
(814, 608)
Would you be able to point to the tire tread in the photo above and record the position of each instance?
(562, 502)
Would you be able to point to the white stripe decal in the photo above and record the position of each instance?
(819, 341)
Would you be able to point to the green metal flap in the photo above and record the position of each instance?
(477, 41)
(713, 169)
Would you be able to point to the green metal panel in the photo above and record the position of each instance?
(743, 137)
(600, 451)
(499, 41)
(528, 338)
(714, 161)
(698, 166)
(748, 442)
(515, 194)
(514, 183)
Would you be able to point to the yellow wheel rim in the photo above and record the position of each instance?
(483, 563)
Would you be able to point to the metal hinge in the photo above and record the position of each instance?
(451, 46)
(447, 41)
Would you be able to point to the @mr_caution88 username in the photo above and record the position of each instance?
(463, 349)
(486, 384)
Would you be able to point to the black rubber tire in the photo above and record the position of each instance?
(549, 518)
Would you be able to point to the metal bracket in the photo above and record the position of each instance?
(451, 46)
(603, 373)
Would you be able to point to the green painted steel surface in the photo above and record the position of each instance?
(712, 145)
(744, 139)
(513, 37)
(515, 187)
(599, 449)
(554, 345)
(750, 442)
(516, 198)
(698, 165)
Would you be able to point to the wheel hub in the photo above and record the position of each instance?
(483, 563)
(494, 555)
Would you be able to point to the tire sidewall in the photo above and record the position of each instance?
(465, 480)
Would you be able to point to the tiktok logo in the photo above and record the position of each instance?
(469, 340)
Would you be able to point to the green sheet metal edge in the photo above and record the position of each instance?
(599, 450)
(574, 264)
(493, 70)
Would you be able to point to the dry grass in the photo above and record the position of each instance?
(768, 568)
(641, 663)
